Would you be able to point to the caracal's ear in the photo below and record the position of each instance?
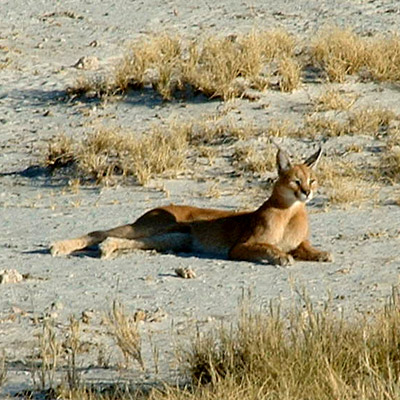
(313, 160)
(283, 161)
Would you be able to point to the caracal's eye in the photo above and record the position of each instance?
(297, 182)
(312, 181)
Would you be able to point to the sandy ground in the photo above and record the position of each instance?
(39, 44)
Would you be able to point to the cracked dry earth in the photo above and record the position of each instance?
(40, 42)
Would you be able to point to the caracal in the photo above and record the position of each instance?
(275, 233)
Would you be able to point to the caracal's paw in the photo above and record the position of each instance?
(108, 247)
(283, 260)
(61, 248)
(325, 256)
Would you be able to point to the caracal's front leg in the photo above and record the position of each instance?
(260, 252)
(174, 241)
(306, 252)
(68, 246)
(65, 247)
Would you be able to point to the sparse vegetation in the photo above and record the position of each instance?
(249, 159)
(124, 329)
(47, 357)
(345, 183)
(217, 67)
(289, 72)
(311, 353)
(155, 61)
(328, 88)
(333, 99)
(104, 153)
(364, 121)
(317, 355)
(3, 369)
(390, 164)
(370, 121)
(226, 66)
(283, 128)
(339, 52)
(383, 61)
(214, 130)
(321, 126)
(71, 346)
(60, 152)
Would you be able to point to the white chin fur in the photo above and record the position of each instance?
(304, 198)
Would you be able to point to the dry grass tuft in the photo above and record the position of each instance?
(125, 332)
(155, 61)
(307, 354)
(214, 130)
(283, 128)
(344, 183)
(217, 67)
(72, 345)
(316, 125)
(93, 86)
(339, 52)
(105, 153)
(315, 355)
(365, 121)
(333, 99)
(277, 43)
(213, 67)
(289, 73)
(390, 164)
(348, 190)
(354, 148)
(159, 153)
(370, 121)
(249, 159)
(3, 369)
(60, 152)
(383, 61)
(226, 67)
(46, 361)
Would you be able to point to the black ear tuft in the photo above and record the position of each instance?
(313, 160)
(283, 161)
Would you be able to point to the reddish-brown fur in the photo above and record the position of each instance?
(276, 232)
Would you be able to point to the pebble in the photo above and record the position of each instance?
(87, 63)
(10, 276)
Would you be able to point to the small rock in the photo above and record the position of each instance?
(150, 316)
(10, 276)
(52, 315)
(240, 85)
(47, 113)
(57, 305)
(251, 95)
(343, 271)
(87, 316)
(87, 63)
(94, 43)
(156, 316)
(185, 273)
(140, 315)
(18, 310)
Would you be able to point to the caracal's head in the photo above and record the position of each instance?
(297, 182)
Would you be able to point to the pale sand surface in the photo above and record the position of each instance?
(37, 210)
